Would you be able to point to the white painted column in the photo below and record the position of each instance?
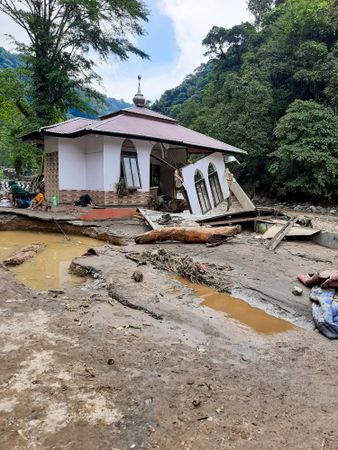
(72, 165)
(143, 149)
(111, 162)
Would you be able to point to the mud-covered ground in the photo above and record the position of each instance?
(81, 371)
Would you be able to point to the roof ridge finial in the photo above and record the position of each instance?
(139, 99)
(139, 84)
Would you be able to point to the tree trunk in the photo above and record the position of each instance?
(201, 235)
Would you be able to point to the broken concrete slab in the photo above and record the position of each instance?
(326, 239)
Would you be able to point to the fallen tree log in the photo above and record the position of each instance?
(23, 254)
(193, 235)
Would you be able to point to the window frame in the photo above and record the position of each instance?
(131, 156)
(202, 192)
(215, 185)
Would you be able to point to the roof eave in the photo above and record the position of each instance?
(147, 138)
(32, 136)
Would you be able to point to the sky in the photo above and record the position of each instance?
(173, 40)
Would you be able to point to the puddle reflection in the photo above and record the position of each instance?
(48, 269)
(238, 309)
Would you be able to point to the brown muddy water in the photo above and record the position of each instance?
(239, 310)
(48, 269)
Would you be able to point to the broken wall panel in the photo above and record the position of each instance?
(202, 165)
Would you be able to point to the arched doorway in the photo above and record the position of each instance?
(130, 171)
(215, 186)
(202, 193)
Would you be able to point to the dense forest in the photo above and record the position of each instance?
(271, 88)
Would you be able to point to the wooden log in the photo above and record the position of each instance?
(23, 254)
(200, 235)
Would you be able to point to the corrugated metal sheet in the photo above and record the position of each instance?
(144, 124)
(161, 131)
(137, 110)
(70, 126)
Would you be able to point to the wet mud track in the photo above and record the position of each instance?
(81, 371)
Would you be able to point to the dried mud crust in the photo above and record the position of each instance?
(83, 373)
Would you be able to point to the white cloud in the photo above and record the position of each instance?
(153, 85)
(191, 21)
(8, 26)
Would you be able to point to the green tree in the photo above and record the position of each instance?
(255, 76)
(16, 117)
(331, 74)
(305, 165)
(259, 8)
(239, 113)
(62, 33)
(222, 43)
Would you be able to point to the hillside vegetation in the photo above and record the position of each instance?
(16, 115)
(271, 89)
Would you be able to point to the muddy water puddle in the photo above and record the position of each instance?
(239, 310)
(48, 269)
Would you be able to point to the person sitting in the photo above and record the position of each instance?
(39, 200)
(18, 196)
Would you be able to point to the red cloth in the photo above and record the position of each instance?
(326, 280)
(331, 282)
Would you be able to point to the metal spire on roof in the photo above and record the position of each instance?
(139, 99)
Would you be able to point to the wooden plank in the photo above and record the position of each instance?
(152, 224)
(281, 234)
(231, 221)
(229, 215)
(295, 231)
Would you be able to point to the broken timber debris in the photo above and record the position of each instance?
(281, 234)
(147, 219)
(23, 254)
(195, 271)
(201, 235)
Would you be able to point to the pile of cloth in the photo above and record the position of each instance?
(324, 297)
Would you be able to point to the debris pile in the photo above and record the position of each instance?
(186, 267)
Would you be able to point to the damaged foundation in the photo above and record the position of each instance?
(137, 358)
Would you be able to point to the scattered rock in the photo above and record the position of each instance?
(137, 276)
(297, 290)
(196, 402)
(200, 349)
(110, 361)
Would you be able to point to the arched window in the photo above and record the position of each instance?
(215, 186)
(202, 192)
(130, 170)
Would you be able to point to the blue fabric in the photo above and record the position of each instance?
(325, 311)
